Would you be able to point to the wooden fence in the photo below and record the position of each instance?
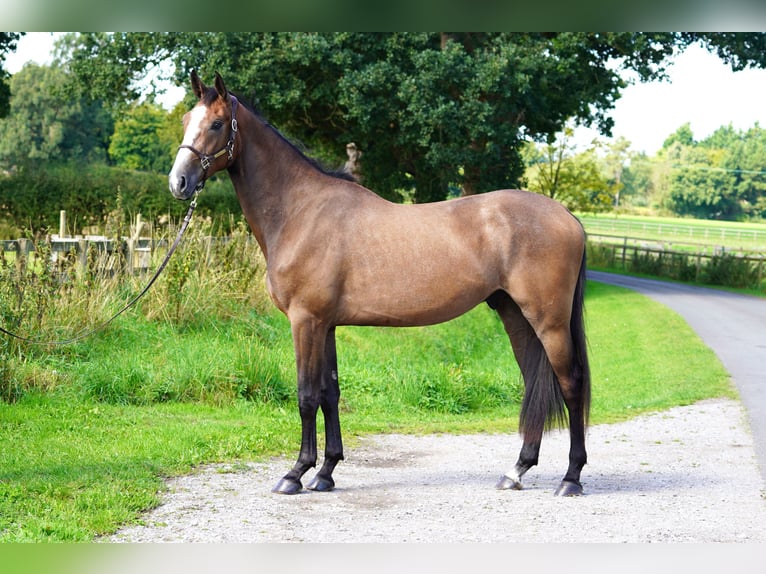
(689, 258)
(703, 233)
(136, 250)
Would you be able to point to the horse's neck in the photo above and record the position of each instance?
(265, 177)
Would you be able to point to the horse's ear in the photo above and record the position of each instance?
(220, 87)
(197, 86)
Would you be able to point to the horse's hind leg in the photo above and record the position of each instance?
(560, 350)
(551, 383)
(330, 395)
(521, 335)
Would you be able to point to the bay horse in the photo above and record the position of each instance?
(338, 254)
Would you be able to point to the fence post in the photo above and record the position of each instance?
(699, 267)
(62, 223)
(22, 255)
(624, 249)
(82, 257)
(132, 243)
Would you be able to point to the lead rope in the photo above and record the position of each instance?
(129, 304)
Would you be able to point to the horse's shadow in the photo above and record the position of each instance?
(638, 481)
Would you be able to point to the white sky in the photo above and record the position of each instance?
(702, 90)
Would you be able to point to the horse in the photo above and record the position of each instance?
(338, 254)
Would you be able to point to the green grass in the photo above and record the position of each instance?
(724, 254)
(645, 357)
(88, 451)
(746, 236)
(74, 470)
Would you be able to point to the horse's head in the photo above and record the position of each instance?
(210, 132)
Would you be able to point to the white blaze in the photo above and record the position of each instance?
(194, 127)
(184, 155)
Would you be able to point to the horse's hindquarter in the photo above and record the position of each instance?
(378, 263)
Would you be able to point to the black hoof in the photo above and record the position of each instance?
(506, 483)
(288, 486)
(321, 483)
(569, 488)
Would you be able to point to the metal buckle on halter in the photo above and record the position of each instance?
(205, 161)
(230, 143)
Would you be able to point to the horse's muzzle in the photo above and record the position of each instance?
(182, 186)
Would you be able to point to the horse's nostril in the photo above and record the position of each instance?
(182, 183)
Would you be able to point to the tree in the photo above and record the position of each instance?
(138, 141)
(427, 110)
(8, 42)
(576, 180)
(698, 187)
(45, 125)
(720, 177)
(638, 181)
(683, 136)
(614, 166)
(750, 166)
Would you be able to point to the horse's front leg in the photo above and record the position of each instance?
(329, 398)
(309, 340)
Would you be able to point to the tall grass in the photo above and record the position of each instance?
(47, 300)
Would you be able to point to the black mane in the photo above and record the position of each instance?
(339, 174)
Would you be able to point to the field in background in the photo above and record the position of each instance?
(731, 235)
(714, 253)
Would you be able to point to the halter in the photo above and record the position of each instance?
(207, 159)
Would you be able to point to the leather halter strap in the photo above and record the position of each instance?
(207, 159)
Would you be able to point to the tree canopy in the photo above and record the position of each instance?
(433, 114)
(144, 138)
(8, 42)
(720, 177)
(429, 111)
(44, 124)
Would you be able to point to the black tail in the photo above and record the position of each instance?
(577, 328)
(543, 407)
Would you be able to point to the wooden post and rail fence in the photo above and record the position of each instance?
(137, 249)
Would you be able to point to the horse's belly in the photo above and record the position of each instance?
(412, 303)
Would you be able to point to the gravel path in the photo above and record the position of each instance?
(685, 475)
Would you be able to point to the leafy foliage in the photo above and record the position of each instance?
(429, 111)
(44, 126)
(8, 42)
(143, 139)
(93, 195)
(434, 114)
(721, 177)
(576, 180)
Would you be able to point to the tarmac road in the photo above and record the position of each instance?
(733, 325)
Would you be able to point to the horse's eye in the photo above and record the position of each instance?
(217, 125)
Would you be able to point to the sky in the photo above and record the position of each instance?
(701, 90)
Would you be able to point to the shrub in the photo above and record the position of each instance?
(730, 270)
(32, 198)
